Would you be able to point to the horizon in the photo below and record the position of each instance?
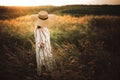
(63, 5)
(57, 3)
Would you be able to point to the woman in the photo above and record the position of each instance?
(44, 58)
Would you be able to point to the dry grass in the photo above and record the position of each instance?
(80, 46)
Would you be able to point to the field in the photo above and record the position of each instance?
(85, 43)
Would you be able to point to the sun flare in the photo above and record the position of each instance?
(54, 2)
(41, 2)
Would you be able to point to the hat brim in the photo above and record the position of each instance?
(44, 23)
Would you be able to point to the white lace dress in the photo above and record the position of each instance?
(43, 55)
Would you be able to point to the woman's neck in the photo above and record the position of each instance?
(38, 27)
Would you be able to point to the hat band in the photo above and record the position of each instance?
(43, 18)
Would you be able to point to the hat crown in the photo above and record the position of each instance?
(43, 14)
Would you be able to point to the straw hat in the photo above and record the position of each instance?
(43, 19)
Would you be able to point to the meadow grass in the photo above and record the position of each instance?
(84, 48)
(11, 12)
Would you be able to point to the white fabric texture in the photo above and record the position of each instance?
(43, 55)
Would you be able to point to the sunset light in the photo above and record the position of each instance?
(54, 2)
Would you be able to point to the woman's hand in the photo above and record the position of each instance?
(42, 45)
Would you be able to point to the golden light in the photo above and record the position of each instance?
(41, 2)
(54, 2)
